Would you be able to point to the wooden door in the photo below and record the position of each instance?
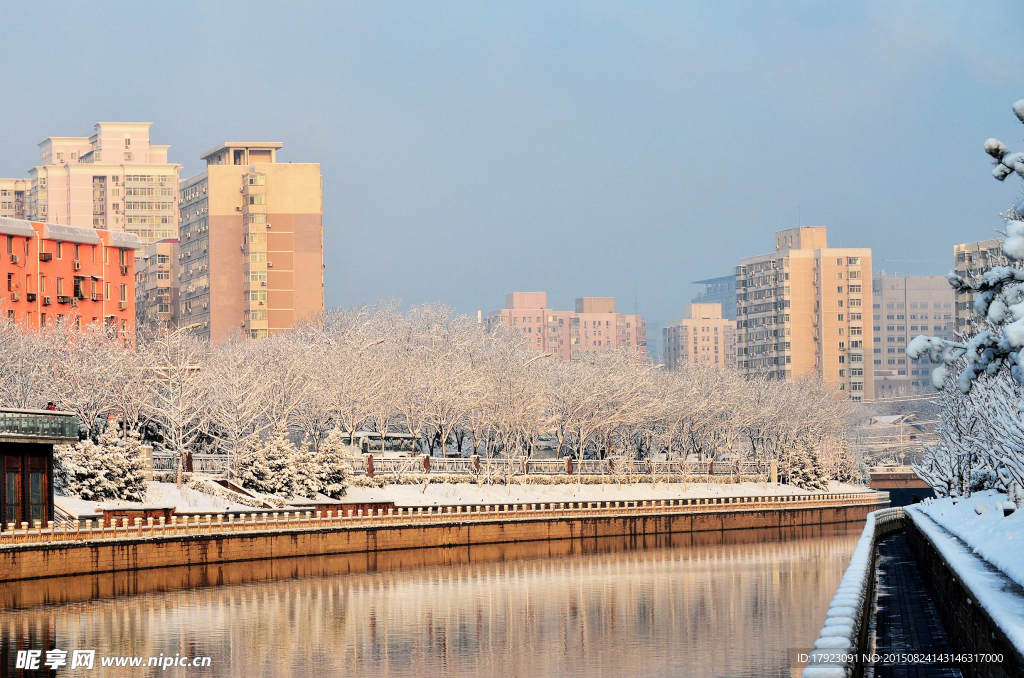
(12, 490)
(38, 491)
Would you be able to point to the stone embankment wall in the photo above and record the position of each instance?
(968, 624)
(52, 559)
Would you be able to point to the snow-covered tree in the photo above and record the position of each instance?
(279, 467)
(986, 365)
(174, 363)
(110, 469)
(333, 466)
(307, 471)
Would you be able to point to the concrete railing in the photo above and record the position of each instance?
(842, 640)
(373, 465)
(223, 523)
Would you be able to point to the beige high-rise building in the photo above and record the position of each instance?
(904, 307)
(251, 242)
(593, 326)
(704, 336)
(800, 311)
(115, 180)
(969, 259)
(157, 291)
(14, 198)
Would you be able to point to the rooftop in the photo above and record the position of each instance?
(267, 145)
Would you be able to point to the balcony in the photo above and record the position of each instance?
(37, 426)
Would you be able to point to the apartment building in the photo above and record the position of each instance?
(251, 244)
(904, 307)
(14, 198)
(721, 291)
(702, 336)
(799, 311)
(114, 180)
(157, 292)
(53, 271)
(969, 259)
(594, 325)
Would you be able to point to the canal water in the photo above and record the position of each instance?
(738, 603)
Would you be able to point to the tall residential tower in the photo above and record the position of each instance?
(904, 307)
(704, 337)
(594, 325)
(114, 180)
(800, 310)
(251, 257)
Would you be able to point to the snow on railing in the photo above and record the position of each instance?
(229, 523)
(370, 465)
(842, 638)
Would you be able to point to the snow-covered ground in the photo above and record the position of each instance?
(963, 536)
(447, 494)
(979, 522)
(471, 493)
(188, 499)
(157, 494)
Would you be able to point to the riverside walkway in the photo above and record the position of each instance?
(907, 621)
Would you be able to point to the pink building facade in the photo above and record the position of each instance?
(704, 336)
(115, 179)
(594, 325)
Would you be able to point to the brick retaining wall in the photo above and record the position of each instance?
(29, 561)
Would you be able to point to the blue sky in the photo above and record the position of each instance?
(626, 149)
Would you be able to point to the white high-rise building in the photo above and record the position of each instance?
(115, 180)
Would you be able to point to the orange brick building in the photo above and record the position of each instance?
(53, 271)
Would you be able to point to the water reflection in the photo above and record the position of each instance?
(708, 604)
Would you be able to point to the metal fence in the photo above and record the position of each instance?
(202, 463)
(296, 521)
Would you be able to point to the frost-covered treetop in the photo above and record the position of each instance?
(1006, 163)
(999, 301)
